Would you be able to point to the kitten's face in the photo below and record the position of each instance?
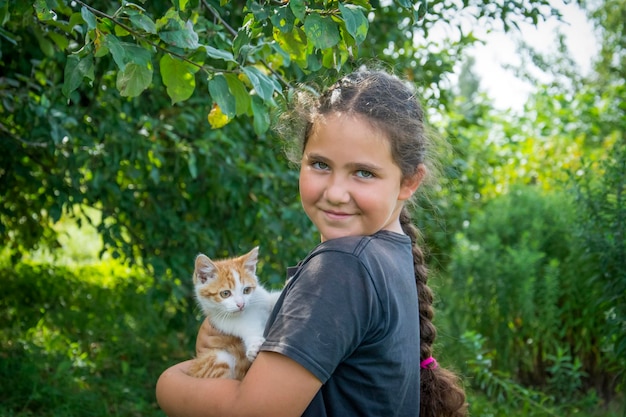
(225, 286)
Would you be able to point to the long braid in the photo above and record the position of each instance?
(428, 332)
(440, 393)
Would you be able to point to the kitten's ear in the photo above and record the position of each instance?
(251, 259)
(204, 270)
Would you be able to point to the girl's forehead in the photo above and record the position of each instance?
(349, 137)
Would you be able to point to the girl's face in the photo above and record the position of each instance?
(349, 182)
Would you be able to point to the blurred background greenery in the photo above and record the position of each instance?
(106, 196)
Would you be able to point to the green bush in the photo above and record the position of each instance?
(517, 279)
(602, 231)
(86, 340)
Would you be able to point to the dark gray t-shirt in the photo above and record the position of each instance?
(349, 315)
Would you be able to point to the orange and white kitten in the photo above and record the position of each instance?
(230, 295)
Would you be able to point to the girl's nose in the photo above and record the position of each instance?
(337, 191)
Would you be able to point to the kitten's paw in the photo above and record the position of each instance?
(253, 346)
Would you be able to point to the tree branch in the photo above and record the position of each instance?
(233, 32)
(130, 30)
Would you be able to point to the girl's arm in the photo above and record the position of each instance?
(274, 386)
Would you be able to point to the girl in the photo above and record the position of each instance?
(348, 336)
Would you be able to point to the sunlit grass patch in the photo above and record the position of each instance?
(84, 340)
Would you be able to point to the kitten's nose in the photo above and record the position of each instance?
(241, 304)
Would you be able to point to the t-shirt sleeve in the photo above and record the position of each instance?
(327, 312)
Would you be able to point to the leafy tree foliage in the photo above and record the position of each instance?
(157, 113)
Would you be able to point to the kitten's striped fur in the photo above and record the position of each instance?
(229, 294)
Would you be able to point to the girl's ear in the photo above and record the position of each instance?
(411, 184)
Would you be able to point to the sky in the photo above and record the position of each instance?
(508, 92)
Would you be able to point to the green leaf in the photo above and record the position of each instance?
(120, 31)
(219, 54)
(423, 7)
(46, 46)
(55, 212)
(170, 19)
(4, 12)
(137, 54)
(260, 13)
(321, 31)
(240, 92)
(117, 50)
(178, 77)
(334, 58)
(241, 43)
(261, 116)
(184, 38)
(282, 53)
(182, 5)
(76, 69)
(283, 19)
(106, 25)
(8, 36)
(298, 7)
(44, 13)
(133, 80)
(61, 41)
(218, 88)
(191, 163)
(76, 19)
(262, 84)
(356, 22)
(294, 45)
(144, 22)
(313, 62)
(88, 17)
(101, 51)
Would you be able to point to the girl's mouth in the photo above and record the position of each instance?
(336, 215)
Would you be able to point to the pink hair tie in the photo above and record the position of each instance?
(429, 363)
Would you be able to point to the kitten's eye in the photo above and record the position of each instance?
(225, 294)
(247, 290)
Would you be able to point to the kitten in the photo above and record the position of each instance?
(229, 294)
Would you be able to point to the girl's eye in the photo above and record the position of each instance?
(225, 294)
(364, 174)
(319, 165)
(247, 290)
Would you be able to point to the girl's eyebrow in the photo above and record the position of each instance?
(360, 166)
(316, 157)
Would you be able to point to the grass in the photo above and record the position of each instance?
(85, 340)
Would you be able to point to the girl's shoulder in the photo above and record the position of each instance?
(360, 246)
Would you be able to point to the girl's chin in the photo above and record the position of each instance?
(335, 234)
